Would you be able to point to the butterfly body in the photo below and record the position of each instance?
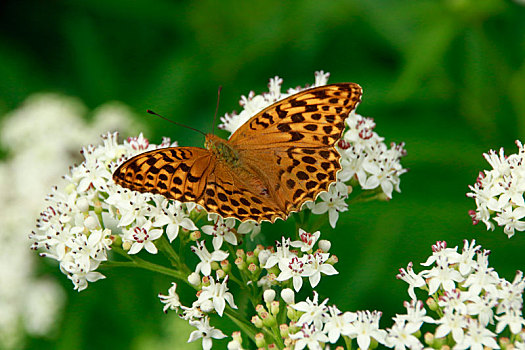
(280, 158)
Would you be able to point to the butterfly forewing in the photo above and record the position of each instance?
(286, 156)
(176, 172)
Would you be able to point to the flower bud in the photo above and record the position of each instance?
(251, 258)
(256, 320)
(332, 260)
(207, 306)
(288, 296)
(324, 245)
(240, 254)
(97, 207)
(259, 340)
(214, 265)
(432, 305)
(221, 273)
(274, 307)
(126, 245)
(194, 279)
(263, 257)
(226, 266)
(240, 263)
(195, 235)
(91, 223)
(269, 295)
(283, 329)
(83, 204)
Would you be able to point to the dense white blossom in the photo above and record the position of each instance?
(498, 192)
(365, 158)
(41, 139)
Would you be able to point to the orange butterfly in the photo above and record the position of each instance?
(282, 157)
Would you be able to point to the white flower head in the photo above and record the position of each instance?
(498, 192)
(206, 332)
(222, 230)
(171, 300)
(313, 311)
(307, 241)
(142, 236)
(218, 293)
(206, 257)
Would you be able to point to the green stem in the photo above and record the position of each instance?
(166, 248)
(348, 342)
(141, 263)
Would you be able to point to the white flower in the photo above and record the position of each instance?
(171, 300)
(309, 336)
(511, 294)
(222, 230)
(466, 261)
(416, 314)
(477, 337)
(509, 217)
(513, 319)
(142, 236)
(249, 226)
(315, 265)
(206, 332)
(337, 323)
(442, 275)
(400, 336)
(292, 268)
(366, 327)
(451, 322)
(80, 272)
(132, 205)
(414, 280)
(313, 311)
(218, 294)
(332, 202)
(282, 253)
(173, 217)
(307, 240)
(207, 258)
(483, 307)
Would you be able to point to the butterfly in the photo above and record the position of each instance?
(280, 158)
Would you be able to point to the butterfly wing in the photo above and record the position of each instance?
(291, 144)
(179, 173)
(190, 174)
(234, 193)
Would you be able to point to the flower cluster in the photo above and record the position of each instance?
(499, 192)
(41, 139)
(365, 158)
(89, 215)
(468, 306)
(473, 307)
(75, 227)
(268, 268)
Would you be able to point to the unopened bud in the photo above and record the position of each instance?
(288, 296)
(269, 295)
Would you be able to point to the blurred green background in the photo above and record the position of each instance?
(446, 77)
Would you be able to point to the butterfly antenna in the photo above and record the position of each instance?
(216, 108)
(174, 122)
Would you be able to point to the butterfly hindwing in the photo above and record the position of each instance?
(229, 194)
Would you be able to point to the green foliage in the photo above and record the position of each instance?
(446, 77)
